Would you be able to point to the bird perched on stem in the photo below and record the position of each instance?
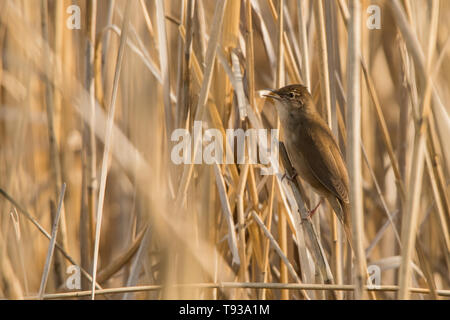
(312, 149)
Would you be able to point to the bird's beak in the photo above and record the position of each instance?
(269, 93)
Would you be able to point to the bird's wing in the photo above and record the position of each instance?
(325, 160)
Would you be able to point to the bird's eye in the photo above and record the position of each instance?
(291, 95)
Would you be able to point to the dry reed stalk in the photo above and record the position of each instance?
(54, 161)
(200, 25)
(249, 44)
(12, 287)
(368, 126)
(432, 34)
(333, 60)
(87, 220)
(106, 150)
(292, 39)
(109, 19)
(326, 78)
(51, 246)
(342, 101)
(180, 55)
(419, 148)
(279, 251)
(402, 134)
(229, 38)
(138, 262)
(46, 234)
(292, 69)
(387, 140)
(409, 223)
(239, 87)
(253, 190)
(280, 80)
(58, 44)
(379, 113)
(440, 198)
(414, 48)
(204, 92)
(308, 226)
(435, 169)
(164, 65)
(384, 130)
(267, 243)
(427, 270)
(410, 218)
(16, 223)
(183, 101)
(353, 144)
(323, 62)
(297, 229)
(268, 46)
(198, 73)
(122, 259)
(380, 194)
(282, 233)
(141, 52)
(232, 240)
(222, 285)
(148, 22)
(301, 17)
(241, 221)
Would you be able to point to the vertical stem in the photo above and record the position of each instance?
(410, 216)
(55, 165)
(402, 138)
(280, 82)
(200, 26)
(250, 55)
(354, 136)
(280, 48)
(109, 18)
(266, 246)
(51, 246)
(241, 222)
(282, 233)
(164, 64)
(303, 42)
(204, 92)
(184, 85)
(323, 61)
(108, 135)
(329, 75)
(89, 129)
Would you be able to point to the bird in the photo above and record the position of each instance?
(313, 150)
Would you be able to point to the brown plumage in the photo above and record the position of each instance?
(312, 149)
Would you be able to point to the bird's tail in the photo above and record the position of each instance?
(347, 222)
(342, 211)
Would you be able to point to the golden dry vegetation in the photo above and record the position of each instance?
(86, 118)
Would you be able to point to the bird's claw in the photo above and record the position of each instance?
(290, 178)
(312, 212)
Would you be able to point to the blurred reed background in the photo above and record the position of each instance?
(95, 108)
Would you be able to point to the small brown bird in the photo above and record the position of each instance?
(312, 149)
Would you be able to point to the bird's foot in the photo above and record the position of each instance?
(311, 213)
(290, 178)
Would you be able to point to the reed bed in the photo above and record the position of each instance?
(92, 204)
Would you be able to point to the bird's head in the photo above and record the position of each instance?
(290, 100)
